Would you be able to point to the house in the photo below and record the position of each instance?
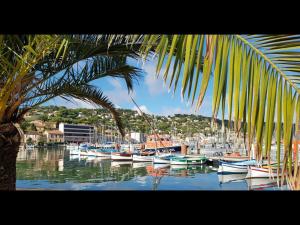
(50, 125)
(54, 136)
(39, 125)
(34, 136)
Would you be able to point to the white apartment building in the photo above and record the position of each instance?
(77, 133)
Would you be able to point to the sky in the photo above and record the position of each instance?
(150, 94)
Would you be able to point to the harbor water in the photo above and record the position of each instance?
(56, 169)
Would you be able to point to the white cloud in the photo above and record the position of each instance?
(154, 84)
(143, 108)
(119, 94)
(169, 111)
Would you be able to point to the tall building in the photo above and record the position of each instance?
(77, 133)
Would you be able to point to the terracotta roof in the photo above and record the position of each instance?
(31, 133)
(54, 132)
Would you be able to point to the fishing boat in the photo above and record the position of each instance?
(235, 167)
(121, 156)
(263, 172)
(163, 159)
(234, 157)
(187, 161)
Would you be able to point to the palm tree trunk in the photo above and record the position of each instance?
(9, 147)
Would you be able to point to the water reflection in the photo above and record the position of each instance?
(56, 168)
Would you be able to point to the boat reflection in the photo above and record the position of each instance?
(120, 163)
(263, 183)
(231, 177)
(136, 165)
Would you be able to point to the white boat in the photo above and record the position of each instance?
(121, 156)
(163, 158)
(262, 172)
(235, 167)
(141, 158)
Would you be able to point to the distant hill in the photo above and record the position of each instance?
(183, 124)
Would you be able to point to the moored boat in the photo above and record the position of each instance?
(162, 159)
(262, 172)
(141, 158)
(187, 161)
(121, 156)
(235, 167)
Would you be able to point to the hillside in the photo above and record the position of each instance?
(179, 124)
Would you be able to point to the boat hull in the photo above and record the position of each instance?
(258, 172)
(103, 154)
(138, 158)
(161, 161)
(187, 161)
(227, 168)
(174, 148)
(121, 157)
(88, 153)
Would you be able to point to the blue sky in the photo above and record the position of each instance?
(149, 92)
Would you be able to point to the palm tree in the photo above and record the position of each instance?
(37, 68)
(253, 76)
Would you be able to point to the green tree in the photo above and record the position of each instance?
(37, 68)
(29, 141)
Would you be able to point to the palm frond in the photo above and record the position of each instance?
(250, 67)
